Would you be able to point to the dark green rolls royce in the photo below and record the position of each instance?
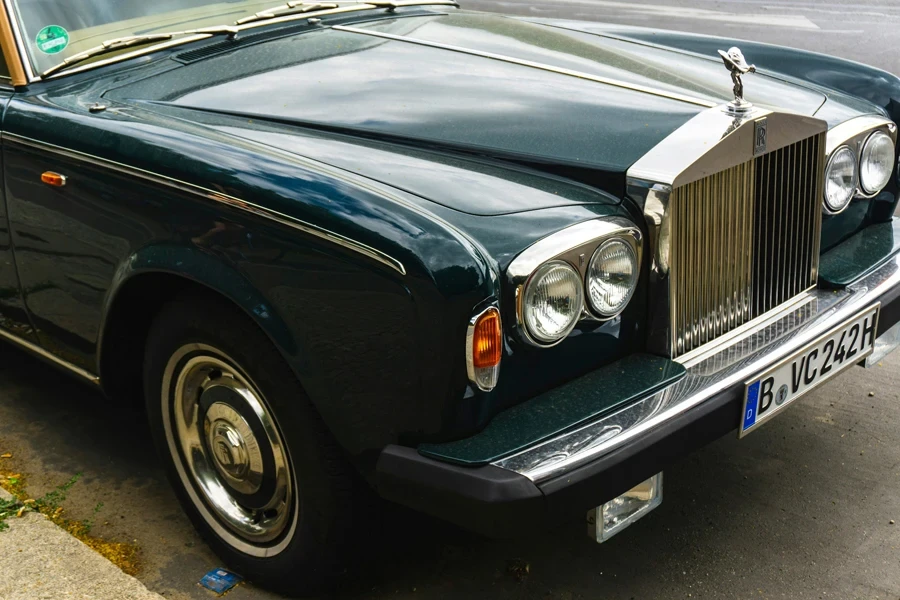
(500, 270)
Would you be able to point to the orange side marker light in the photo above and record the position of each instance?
(53, 179)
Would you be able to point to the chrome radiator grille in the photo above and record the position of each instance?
(744, 241)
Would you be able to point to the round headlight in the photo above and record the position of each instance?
(840, 179)
(877, 162)
(612, 277)
(553, 302)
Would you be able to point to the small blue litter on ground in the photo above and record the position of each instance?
(220, 580)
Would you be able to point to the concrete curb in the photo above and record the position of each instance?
(39, 561)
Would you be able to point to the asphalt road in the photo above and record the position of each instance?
(799, 509)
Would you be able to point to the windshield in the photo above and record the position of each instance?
(55, 30)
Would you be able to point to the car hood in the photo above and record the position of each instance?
(581, 105)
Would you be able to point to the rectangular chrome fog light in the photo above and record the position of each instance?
(617, 514)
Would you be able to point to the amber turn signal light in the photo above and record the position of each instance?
(53, 179)
(484, 349)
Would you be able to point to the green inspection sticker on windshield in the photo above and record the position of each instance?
(52, 39)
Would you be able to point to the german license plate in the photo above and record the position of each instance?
(842, 347)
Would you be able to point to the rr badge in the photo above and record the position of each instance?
(759, 136)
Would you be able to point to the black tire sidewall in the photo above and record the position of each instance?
(321, 478)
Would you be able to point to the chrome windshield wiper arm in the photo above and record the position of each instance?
(391, 4)
(136, 40)
(286, 9)
(298, 7)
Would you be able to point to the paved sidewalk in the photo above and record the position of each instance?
(39, 561)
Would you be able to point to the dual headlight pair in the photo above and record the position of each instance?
(558, 294)
(867, 172)
(587, 271)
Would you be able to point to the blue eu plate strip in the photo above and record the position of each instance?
(752, 405)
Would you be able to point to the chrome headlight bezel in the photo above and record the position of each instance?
(574, 246)
(609, 313)
(576, 300)
(855, 134)
(851, 190)
(864, 148)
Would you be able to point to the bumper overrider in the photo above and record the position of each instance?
(565, 476)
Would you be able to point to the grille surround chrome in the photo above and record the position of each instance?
(711, 143)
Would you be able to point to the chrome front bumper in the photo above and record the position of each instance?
(729, 363)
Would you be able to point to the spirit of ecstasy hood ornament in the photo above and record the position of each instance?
(735, 62)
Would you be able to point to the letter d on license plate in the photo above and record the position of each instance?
(831, 353)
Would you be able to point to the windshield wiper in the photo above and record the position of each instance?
(283, 10)
(298, 7)
(136, 40)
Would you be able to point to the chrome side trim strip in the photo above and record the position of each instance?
(732, 365)
(243, 205)
(535, 65)
(37, 350)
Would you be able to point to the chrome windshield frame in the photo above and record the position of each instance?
(16, 28)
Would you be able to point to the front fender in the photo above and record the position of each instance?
(209, 271)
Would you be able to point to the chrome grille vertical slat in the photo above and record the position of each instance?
(715, 255)
(817, 216)
(797, 158)
(802, 192)
(779, 234)
(806, 193)
(762, 240)
(752, 190)
(729, 247)
(771, 203)
(796, 278)
(740, 236)
(708, 305)
(777, 176)
(788, 200)
(807, 183)
(695, 281)
(786, 227)
(744, 241)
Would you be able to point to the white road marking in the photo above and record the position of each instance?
(677, 12)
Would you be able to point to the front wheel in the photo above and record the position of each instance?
(250, 459)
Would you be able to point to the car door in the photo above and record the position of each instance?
(70, 234)
(13, 316)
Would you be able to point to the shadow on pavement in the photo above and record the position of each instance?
(800, 507)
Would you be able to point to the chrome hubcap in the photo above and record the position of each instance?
(235, 451)
(228, 450)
